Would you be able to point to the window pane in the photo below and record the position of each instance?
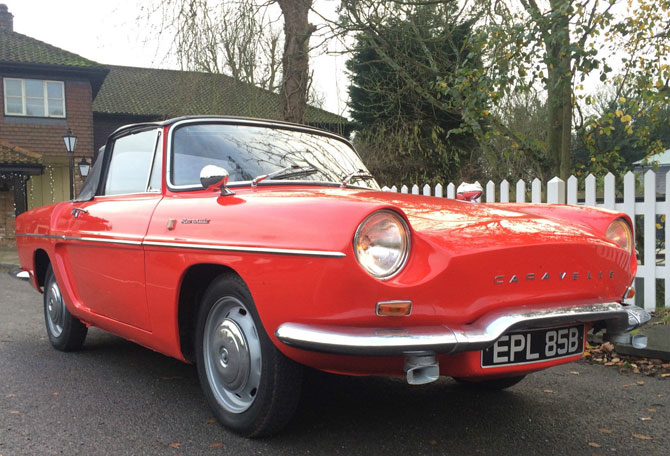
(56, 108)
(14, 105)
(250, 151)
(131, 161)
(13, 88)
(34, 88)
(35, 107)
(55, 89)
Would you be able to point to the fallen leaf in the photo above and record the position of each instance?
(211, 421)
(55, 393)
(651, 410)
(574, 372)
(646, 418)
(661, 395)
(177, 444)
(11, 395)
(615, 360)
(216, 445)
(594, 445)
(610, 363)
(433, 442)
(643, 437)
(548, 391)
(14, 412)
(640, 382)
(636, 370)
(605, 431)
(665, 375)
(607, 347)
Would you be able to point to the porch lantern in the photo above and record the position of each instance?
(70, 143)
(84, 167)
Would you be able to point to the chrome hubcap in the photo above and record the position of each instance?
(55, 309)
(232, 353)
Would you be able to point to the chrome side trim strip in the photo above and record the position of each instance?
(182, 245)
(229, 248)
(442, 339)
(83, 239)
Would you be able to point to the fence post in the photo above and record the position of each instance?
(521, 191)
(590, 190)
(415, 189)
(438, 191)
(629, 208)
(536, 191)
(404, 189)
(666, 265)
(426, 190)
(394, 189)
(504, 191)
(451, 191)
(650, 240)
(490, 192)
(609, 191)
(556, 191)
(572, 190)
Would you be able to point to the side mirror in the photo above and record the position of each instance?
(214, 177)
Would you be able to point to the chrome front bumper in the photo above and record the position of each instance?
(347, 340)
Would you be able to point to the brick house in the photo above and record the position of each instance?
(46, 90)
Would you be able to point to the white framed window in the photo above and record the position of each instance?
(34, 98)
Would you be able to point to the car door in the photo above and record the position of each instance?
(105, 256)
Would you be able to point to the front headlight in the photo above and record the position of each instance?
(620, 233)
(381, 244)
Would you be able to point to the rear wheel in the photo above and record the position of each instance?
(495, 384)
(252, 388)
(65, 331)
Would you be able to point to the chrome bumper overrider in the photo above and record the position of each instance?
(347, 340)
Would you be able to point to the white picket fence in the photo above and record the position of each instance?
(650, 268)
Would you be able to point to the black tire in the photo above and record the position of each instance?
(495, 384)
(252, 388)
(65, 332)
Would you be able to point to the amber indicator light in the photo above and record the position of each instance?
(394, 308)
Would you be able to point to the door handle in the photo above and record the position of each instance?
(77, 211)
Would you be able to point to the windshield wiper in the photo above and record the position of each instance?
(359, 174)
(289, 171)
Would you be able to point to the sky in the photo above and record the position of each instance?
(109, 32)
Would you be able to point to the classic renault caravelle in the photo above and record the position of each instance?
(254, 248)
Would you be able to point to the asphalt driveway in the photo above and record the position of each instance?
(115, 397)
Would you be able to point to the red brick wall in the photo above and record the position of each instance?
(6, 219)
(48, 139)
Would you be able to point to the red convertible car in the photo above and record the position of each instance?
(254, 248)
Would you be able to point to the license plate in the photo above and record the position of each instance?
(533, 346)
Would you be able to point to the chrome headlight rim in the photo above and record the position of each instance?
(629, 234)
(407, 240)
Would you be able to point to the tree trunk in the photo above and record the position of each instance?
(295, 61)
(559, 92)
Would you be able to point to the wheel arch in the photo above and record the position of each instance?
(195, 281)
(41, 261)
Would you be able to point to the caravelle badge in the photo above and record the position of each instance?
(515, 278)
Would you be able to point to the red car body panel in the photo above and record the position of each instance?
(121, 264)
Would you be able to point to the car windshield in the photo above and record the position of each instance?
(249, 151)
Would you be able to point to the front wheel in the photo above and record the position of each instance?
(495, 384)
(65, 331)
(252, 388)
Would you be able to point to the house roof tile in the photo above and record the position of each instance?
(10, 154)
(21, 49)
(170, 93)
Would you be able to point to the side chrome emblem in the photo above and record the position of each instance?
(186, 221)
